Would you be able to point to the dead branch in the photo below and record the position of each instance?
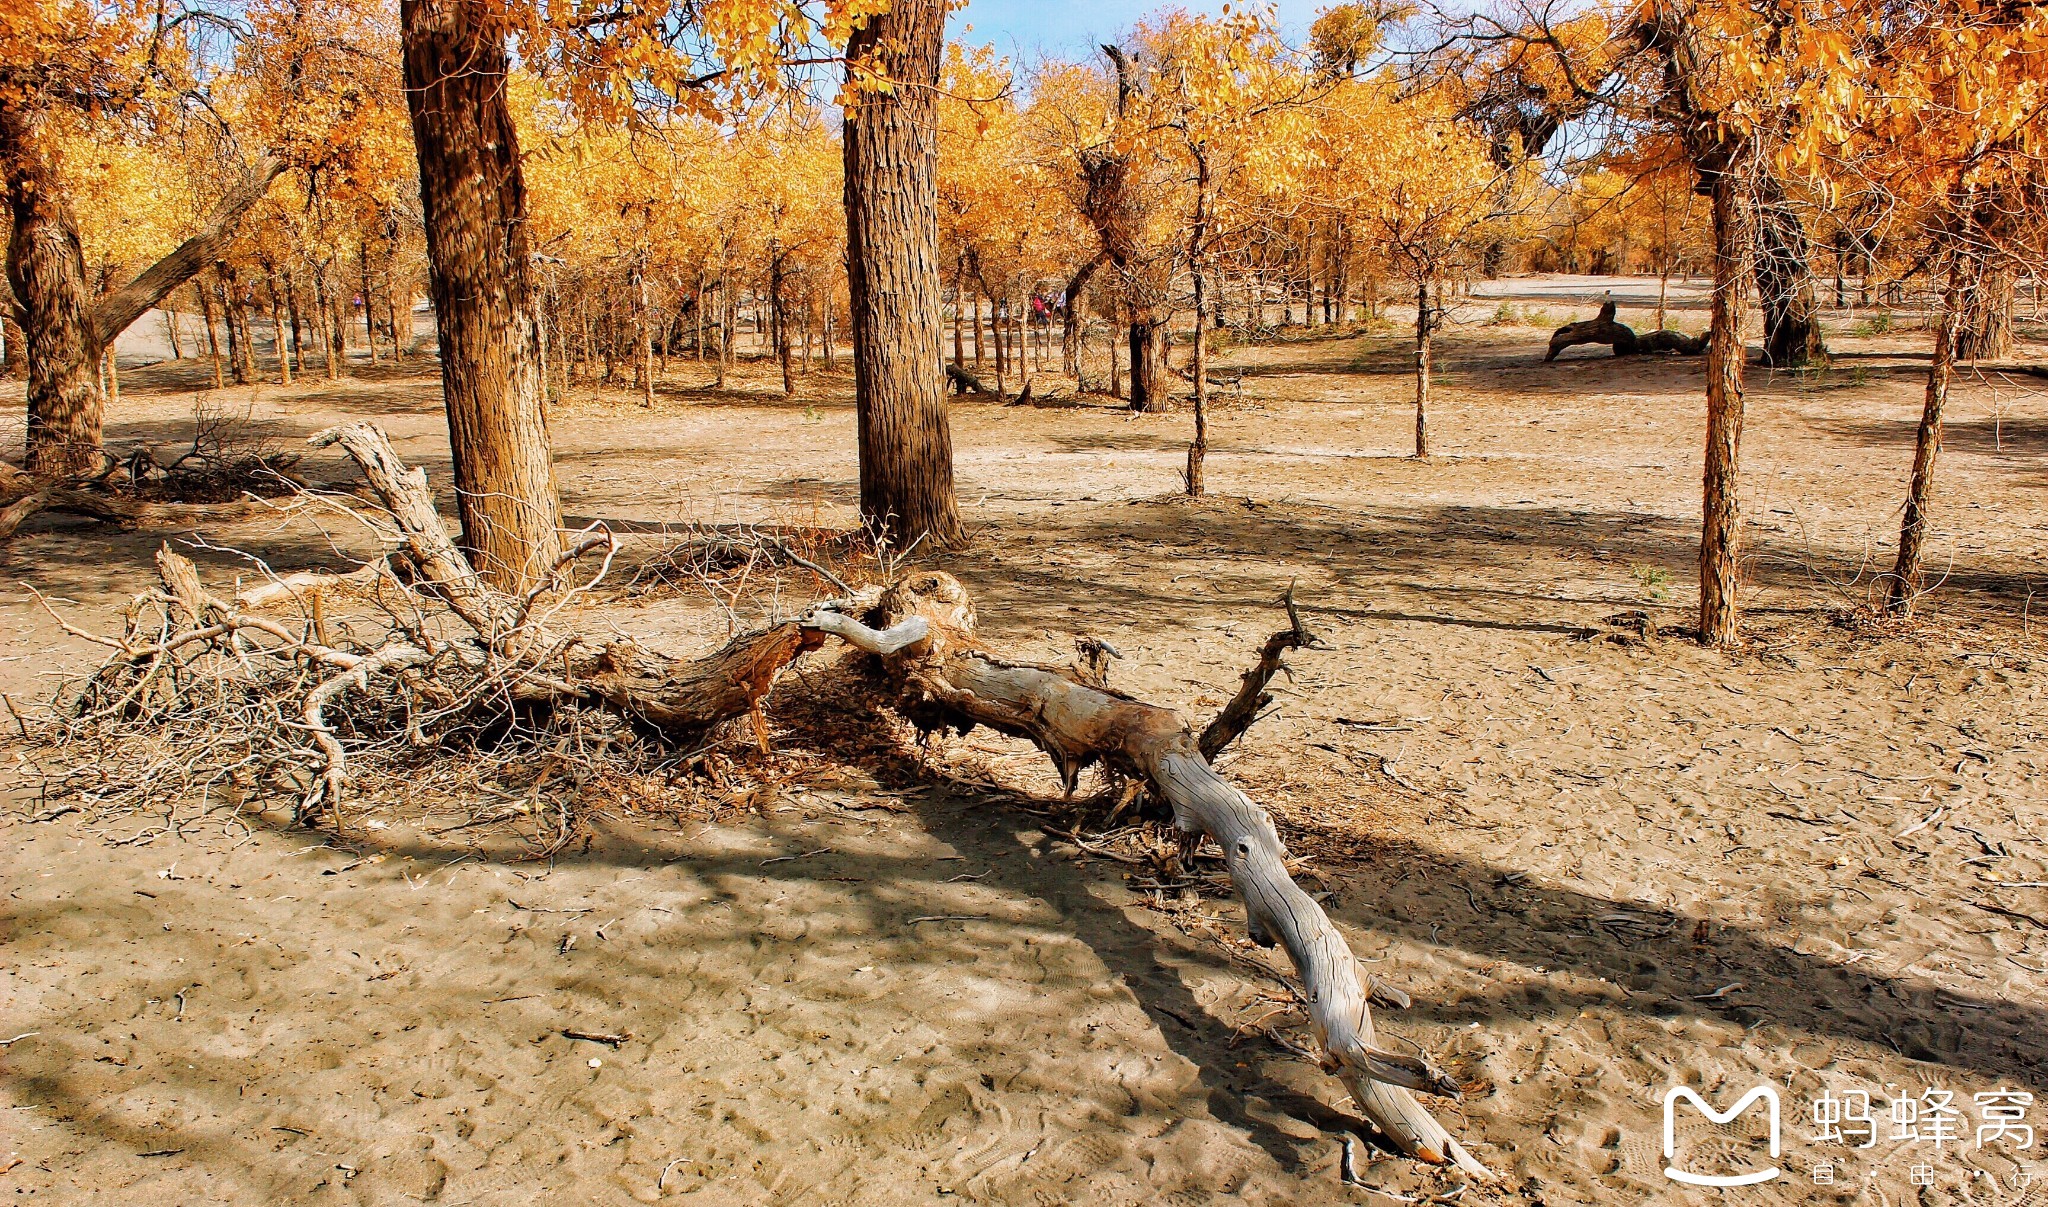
(948, 680)
(1252, 697)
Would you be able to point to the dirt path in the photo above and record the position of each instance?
(1600, 867)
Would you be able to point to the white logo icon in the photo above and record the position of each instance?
(1671, 1097)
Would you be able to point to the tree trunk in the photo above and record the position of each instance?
(1424, 324)
(237, 324)
(401, 313)
(323, 324)
(941, 676)
(291, 311)
(778, 311)
(1149, 374)
(959, 309)
(829, 337)
(1198, 234)
(1116, 363)
(65, 335)
(171, 334)
(277, 334)
(212, 332)
(645, 369)
(1984, 330)
(1784, 282)
(977, 333)
(46, 267)
(1721, 512)
(250, 311)
(1073, 318)
(892, 256)
(1905, 584)
(369, 309)
(474, 200)
(996, 325)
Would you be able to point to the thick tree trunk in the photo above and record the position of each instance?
(475, 206)
(1149, 375)
(1905, 583)
(1425, 324)
(892, 251)
(65, 332)
(1784, 282)
(1721, 512)
(1984, 329)
(46, 267)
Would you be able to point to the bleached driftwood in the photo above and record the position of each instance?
(947, 679)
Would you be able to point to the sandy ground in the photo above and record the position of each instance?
(1600, 867)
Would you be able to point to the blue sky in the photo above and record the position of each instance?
(1022, 28)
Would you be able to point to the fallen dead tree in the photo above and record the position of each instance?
(222, 477)
(1624, 339)
(206, 694)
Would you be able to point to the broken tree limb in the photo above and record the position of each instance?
(405, 495)
(948, 679)
(1252, 696)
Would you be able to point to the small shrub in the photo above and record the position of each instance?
(1654, 580)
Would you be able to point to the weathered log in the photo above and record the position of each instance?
(946, 679)
(115, 509)
(964, 382)
(1603, 329)
(1672, 341)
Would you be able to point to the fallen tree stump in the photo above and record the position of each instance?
(204, 695)
(1603, 329)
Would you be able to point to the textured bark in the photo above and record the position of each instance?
(66, 333)
(46, 267)
(1721, 512)
(942, 678)
(475, 206)
(1905, 583)
(1784, 282)
(212, 331)
(1150, 378)
(1984, 328)
(1425, 325)
(892, 249)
